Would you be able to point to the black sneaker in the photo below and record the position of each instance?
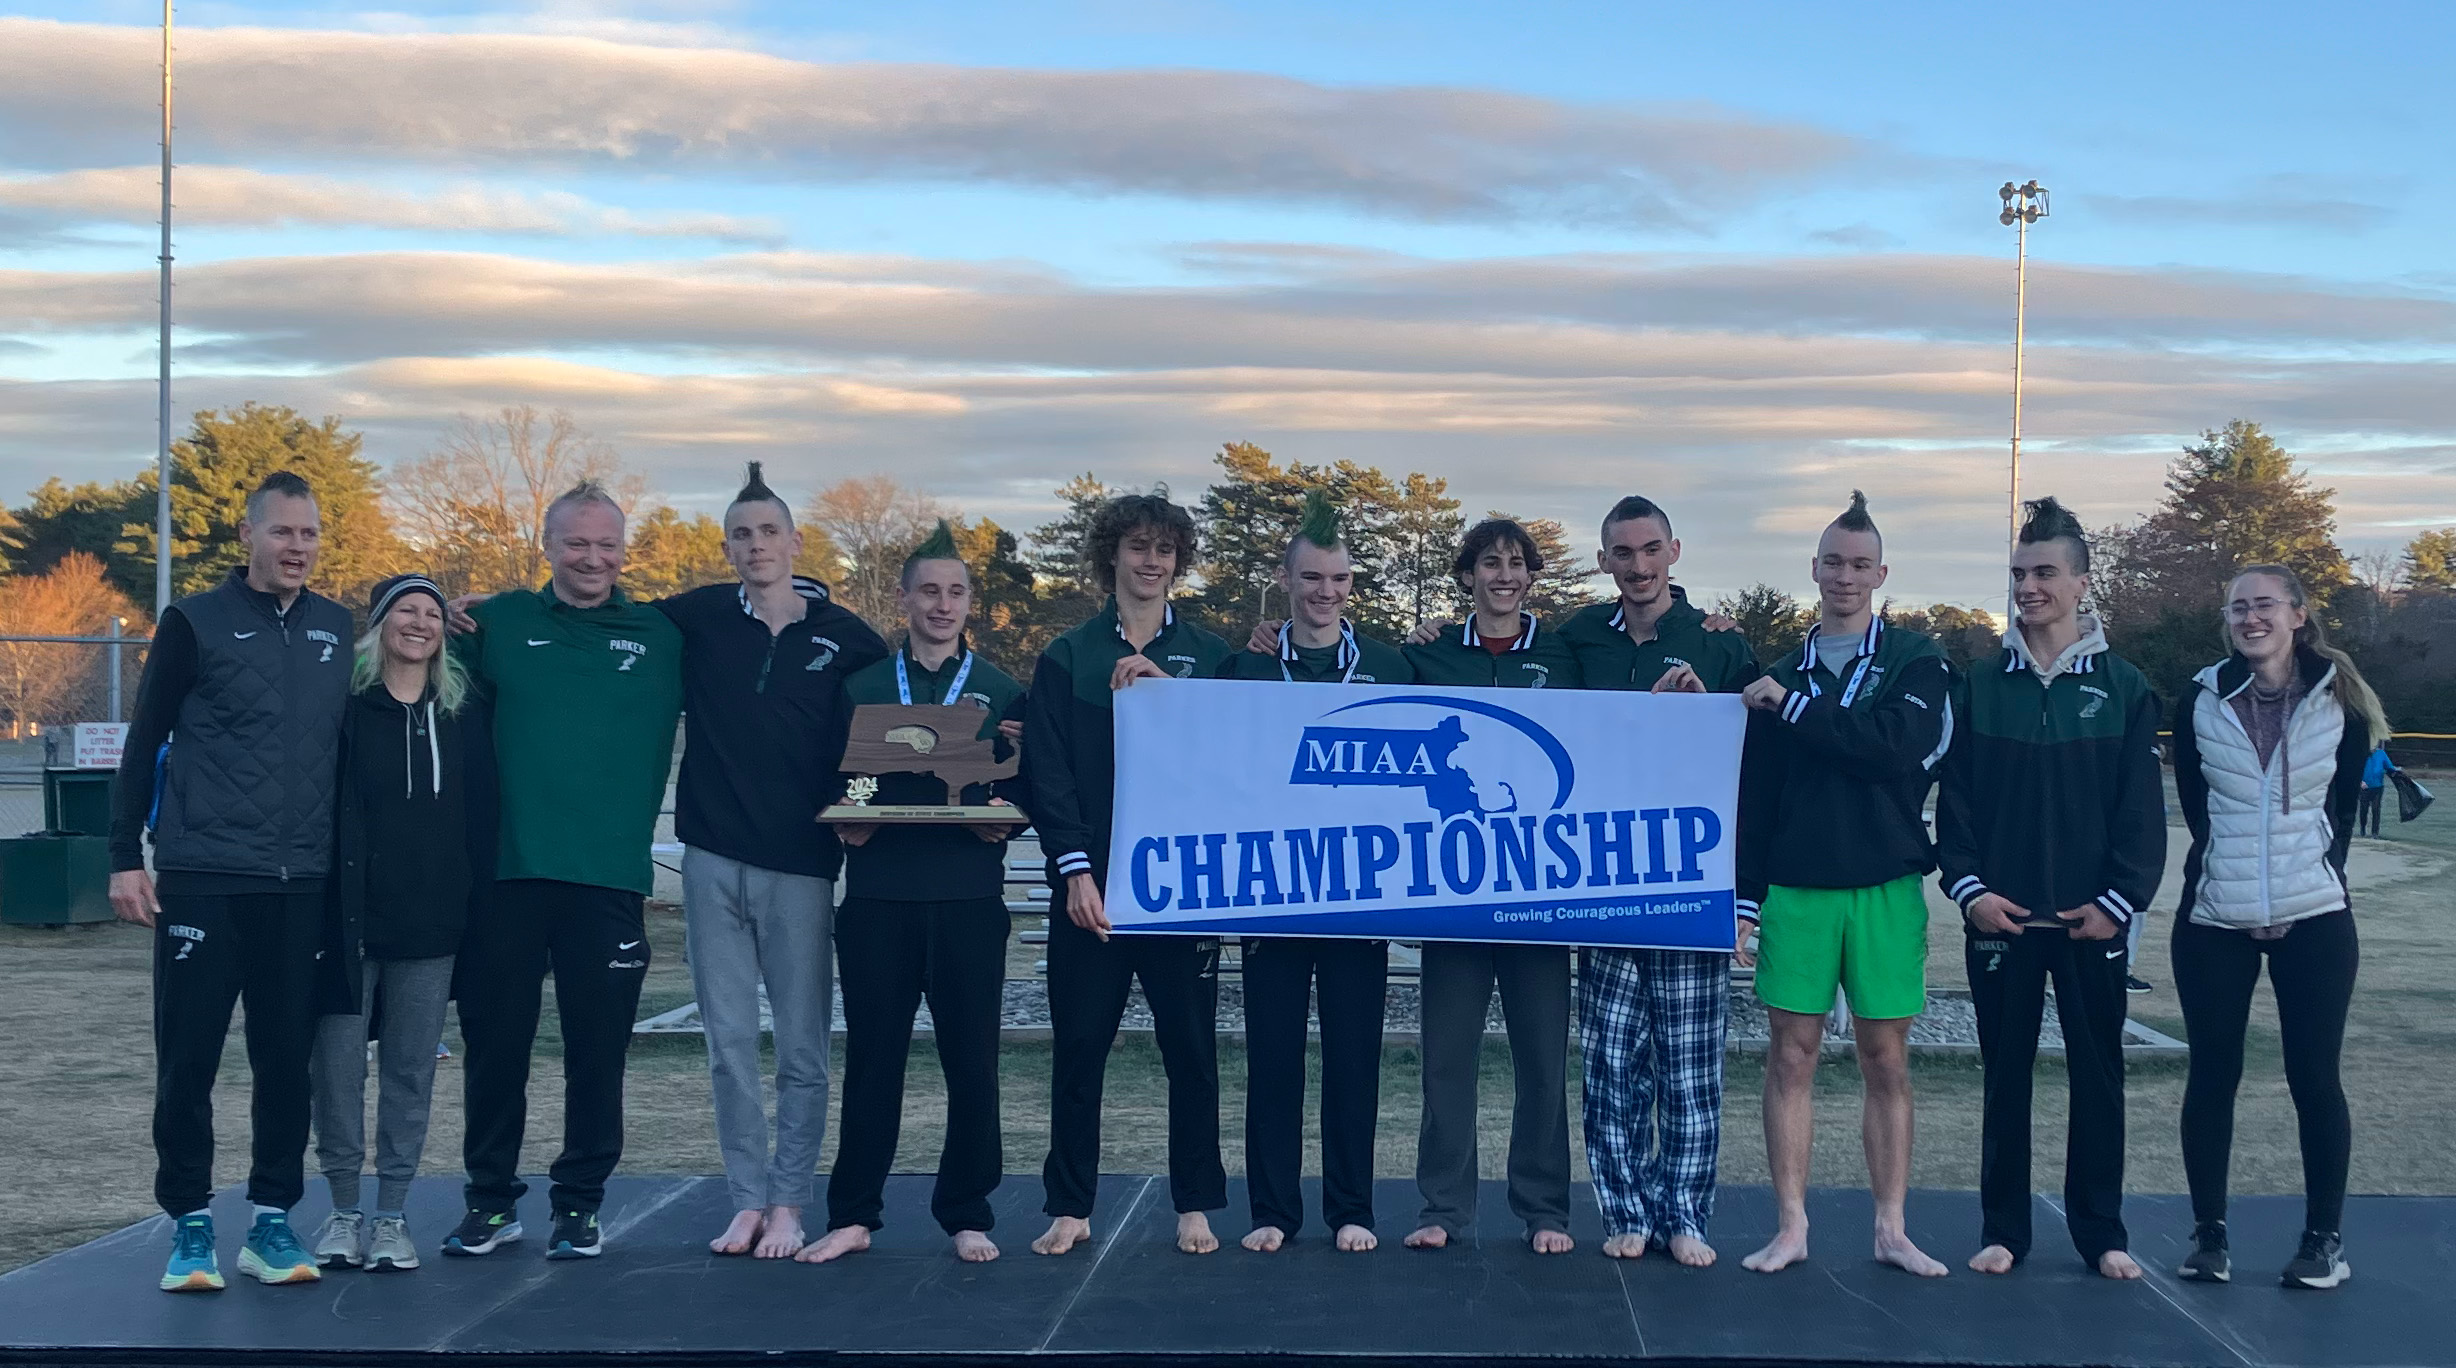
(2134, 983)
(482, 1232)
(2208, 1261)
(575, 1236)
(2320, 1263)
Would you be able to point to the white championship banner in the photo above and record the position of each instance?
(1416, 812)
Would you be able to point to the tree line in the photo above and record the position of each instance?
(470, 512)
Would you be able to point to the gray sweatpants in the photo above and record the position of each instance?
(1457, 986)
(413, 997)
(744, 925)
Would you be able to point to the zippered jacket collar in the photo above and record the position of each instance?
(2232, 675)
(1527, 628)
(1117, 620)
(2081, 657)
(812, 592)
(1868, 642)
(1679, 613)
(1349, 651)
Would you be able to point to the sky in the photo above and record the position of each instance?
(1741, 259)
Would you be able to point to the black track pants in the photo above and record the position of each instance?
(2311, 968)
(890, 955)
(212, 951)
(1281, 974)
(594, 942)
(2008, 986)
(1088, 982)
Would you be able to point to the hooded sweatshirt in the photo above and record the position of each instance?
(2051, 796)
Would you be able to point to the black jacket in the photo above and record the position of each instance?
(1832, 787)
(2051, 796)
(1070, 738)
(250, 695)
(763, 726)
(413, 836)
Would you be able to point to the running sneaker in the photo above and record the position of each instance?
(482, 1232)
(193, 1267)
(575, 1236)
(273, 1255)
(2208, 1261)
(389, 1245)
(2320, 1263)
(339, 1243)
(2134, 983)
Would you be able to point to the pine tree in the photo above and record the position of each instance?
(2430, 560)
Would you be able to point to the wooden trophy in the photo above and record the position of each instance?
(921, 738)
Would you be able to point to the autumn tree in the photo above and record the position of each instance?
(2430, 560)
(669, 554)
(475, 506)
(873, 523)
(59, 518)
(49, 682)
(222, 460)
(1424, 530)
(1773, 622)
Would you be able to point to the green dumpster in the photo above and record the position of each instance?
(62, 875)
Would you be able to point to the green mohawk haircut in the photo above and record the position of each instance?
(938, 545)
(1319, 522)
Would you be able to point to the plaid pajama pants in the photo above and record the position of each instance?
(1652, 1024)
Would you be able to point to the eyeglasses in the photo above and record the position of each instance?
(2243, 611)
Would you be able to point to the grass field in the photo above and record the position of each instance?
(76, 1079)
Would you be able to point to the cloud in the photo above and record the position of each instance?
(1859, 237)
(231, 196)
(75, 95)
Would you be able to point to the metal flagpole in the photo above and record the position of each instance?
(2023, 206)
(162, 454)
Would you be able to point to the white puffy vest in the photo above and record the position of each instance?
(2267, 859)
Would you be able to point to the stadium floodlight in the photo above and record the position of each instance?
(2023, 206)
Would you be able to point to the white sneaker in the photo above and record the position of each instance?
(389, 1245)
(338, 1244)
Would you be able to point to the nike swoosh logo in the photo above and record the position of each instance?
(628, 945)
(242, 635)
(2117, 954)
(541, 641)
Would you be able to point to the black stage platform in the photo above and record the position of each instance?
(657, 1296)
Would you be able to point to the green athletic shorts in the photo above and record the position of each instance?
(1870, 942)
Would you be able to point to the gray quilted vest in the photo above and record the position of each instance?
(255, 757)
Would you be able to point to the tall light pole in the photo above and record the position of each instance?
(162, 453)
(2023, 206)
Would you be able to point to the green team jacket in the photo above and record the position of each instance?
(585, 703)
(1354, 659)
(1070, 738)
(933, 863)
(1608, 659)
(1538, 660)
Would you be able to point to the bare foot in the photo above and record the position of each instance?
(739, 1236)
(1550, 1241)
(974, 1246)
(835, 1244)
(2118, 1265)
(1785, 1249)
(1895, 1248)
(1692, 1252)
(1992, 1259)
(1265, 1239)
(1625, 1247)
(1064, 1233)
(780, 1234)
(1355, 1239)
(1194, 1233)
(1427, 1237)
